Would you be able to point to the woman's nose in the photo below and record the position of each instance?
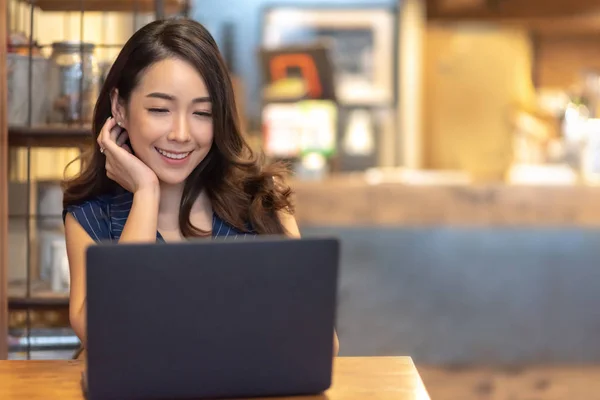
(180, 132)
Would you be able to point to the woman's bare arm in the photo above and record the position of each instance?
(291, 226)
(140, 227)
(78, 241)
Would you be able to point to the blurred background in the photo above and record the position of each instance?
(453, 146)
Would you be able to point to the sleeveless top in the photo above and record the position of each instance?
(104, 217)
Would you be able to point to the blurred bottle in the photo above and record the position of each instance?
(590, 83)
(590, 160)
(359, 137)
(574, 130)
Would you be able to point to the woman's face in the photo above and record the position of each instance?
(169, 120)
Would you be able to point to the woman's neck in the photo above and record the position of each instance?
(170, 203)
(170, 199)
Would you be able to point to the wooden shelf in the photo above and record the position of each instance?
(41, 297)
(51, 301)
(46, 308)
(493, 10)
(50, 136)
(171, 6)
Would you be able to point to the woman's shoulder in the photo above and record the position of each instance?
(100, 203)
(222, 229)
(96, 215)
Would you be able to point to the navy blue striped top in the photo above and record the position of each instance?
(104, 217)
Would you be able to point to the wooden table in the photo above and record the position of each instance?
(357, 378)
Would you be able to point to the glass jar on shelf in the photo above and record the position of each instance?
(75, 76)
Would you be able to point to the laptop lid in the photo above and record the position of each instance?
(211, 319)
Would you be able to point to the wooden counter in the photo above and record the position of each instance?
(354, 378)
(348, 201)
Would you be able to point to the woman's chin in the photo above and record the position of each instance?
(171, 179)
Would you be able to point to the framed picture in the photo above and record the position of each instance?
(362, 44)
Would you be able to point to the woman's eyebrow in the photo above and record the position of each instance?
(165, 96)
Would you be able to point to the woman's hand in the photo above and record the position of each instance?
(121, 165)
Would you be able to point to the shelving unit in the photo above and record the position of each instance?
(34, 298)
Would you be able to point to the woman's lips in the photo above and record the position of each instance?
(173, 157)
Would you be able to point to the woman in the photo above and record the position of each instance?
(169, 162)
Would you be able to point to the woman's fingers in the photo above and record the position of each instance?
(104, 138)
(107, 126)
(122, 138)
(115, 131)
(112, 139)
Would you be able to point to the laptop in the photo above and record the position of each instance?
(211, 319)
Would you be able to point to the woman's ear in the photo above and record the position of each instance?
(117, 108)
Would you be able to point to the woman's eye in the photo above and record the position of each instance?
(158, 110)
(203, 114)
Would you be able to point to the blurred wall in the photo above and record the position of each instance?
(475, 78)
(482, 296)
(246, 15)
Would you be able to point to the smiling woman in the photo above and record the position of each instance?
(174, 127)
(169, 162)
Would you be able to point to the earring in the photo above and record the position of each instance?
(120, 124)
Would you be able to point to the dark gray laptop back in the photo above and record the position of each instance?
(211, 319)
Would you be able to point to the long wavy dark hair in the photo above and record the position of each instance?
(244, 190)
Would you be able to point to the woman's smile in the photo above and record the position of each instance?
(173, 157)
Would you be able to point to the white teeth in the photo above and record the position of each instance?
(173, 156)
